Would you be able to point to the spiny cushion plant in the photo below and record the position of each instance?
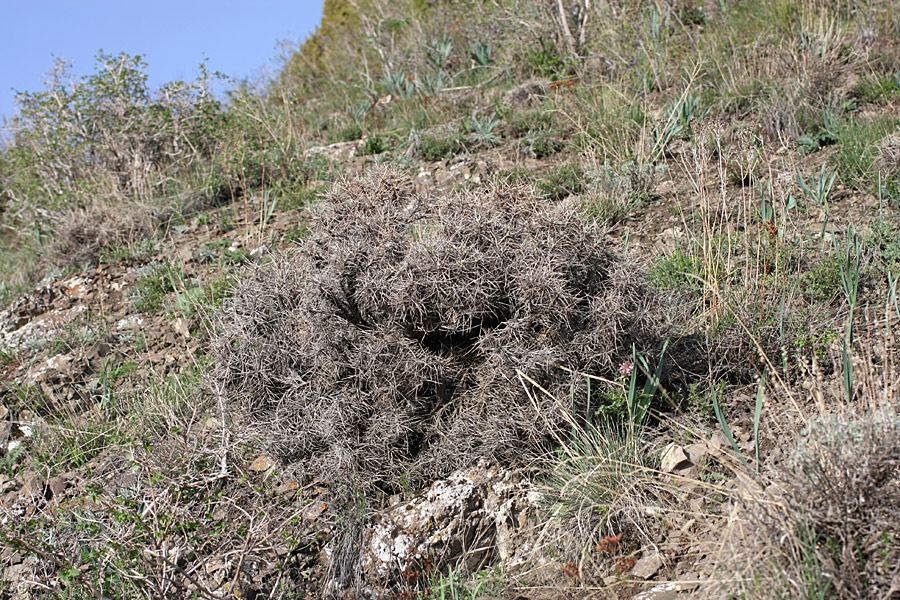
(386, 349)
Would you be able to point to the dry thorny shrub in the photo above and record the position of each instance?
(384, 351)
(81, 234)
(827, 524)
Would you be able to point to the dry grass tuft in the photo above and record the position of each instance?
(827, 525)
(384, 352)
(889, 157)
(81, 234)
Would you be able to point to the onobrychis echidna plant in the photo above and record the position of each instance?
(389, 345)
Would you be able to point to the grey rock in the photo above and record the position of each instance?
(468, 520)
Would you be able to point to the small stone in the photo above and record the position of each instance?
(666, 591)
(647, 567)
(314, 510)
(263, 463)
(182, 327)
(666, 188)
(718, 441)
(55, 487)
(697, 452)
(674, 458)
(288, 487)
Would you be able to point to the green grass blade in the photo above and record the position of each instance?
(724, 424)
(757, 413)
(642, 402)
(892, 292)
(848, 370)
(629, 399)
(587, 417)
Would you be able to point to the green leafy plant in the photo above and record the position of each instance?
(433, 83)
(546, 61)
(399, 84)
(892, 292)
(849, 263)
(565, 180)
(348, 133)
(771, 209)
(125, 252)
(481, 52)
(858, 148)
(435, 148)
(7, 356)
(482, 129)
(438, 52)
(819, 190)
(822, 282)
(878, 88)
(638, 404)
(267, 208)
(679, 270)
(757, 414)
(813, 142)
(375, 143)
(540, 144)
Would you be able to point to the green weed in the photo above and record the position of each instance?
(886, 241)
(821, 284)
(518, 124)
(83, 332)
(127, 253)
(304, 197)
(542, 145)
(878, 89)
(455, 586)
(677, 271)
(348, 133)
(152, 287)
(857, 148)
(481, 129)
(375, 143)
(436, 148)
(7, 356)
(481, 53)
(545, 61)
(566, 180)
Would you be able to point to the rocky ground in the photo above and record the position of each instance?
(84, 344)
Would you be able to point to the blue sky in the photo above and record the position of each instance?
(238, 38)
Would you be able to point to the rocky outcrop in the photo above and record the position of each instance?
(474, 518)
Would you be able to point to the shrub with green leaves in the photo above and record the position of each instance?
(107, 133)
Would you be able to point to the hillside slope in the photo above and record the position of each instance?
(476, 299)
